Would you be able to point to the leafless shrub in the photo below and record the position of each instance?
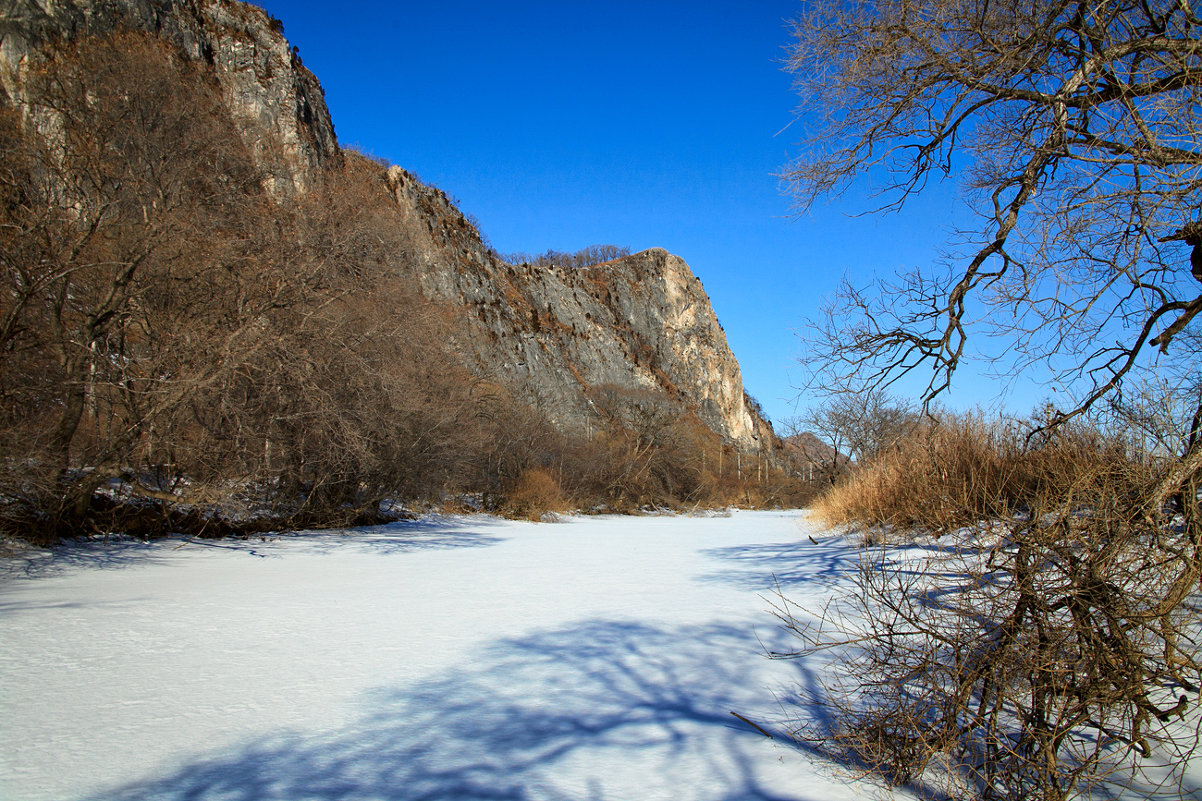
(1044, 647)
(941, 476)
(534, 493)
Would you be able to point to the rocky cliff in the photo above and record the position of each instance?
(278, 102)
(554, 336)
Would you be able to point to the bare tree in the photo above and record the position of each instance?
(1045, 647)
(1075, 126)
(862, 423)
(1160, 415)
(126, 183)
(818, 447)
(1049, 647)
(585, 257)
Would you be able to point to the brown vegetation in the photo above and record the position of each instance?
(1046, 645)
(183, 350)
(938, 478)
(534, 493)
(1047, 642)
(581, 259)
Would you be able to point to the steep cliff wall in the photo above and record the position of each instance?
(279, 103)
(553, 336)
(642, 322)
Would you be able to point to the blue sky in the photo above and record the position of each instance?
(644, 124)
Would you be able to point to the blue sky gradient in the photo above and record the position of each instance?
(645, 124)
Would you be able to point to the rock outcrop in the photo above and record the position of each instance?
(279, 104)
(553, 336)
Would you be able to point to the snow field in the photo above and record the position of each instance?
(451, 658)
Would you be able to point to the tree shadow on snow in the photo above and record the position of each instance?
(549, 716)
(769, 566)
(432, 533)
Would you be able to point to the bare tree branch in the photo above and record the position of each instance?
(1071, 122)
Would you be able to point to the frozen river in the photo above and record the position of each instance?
(451, 658)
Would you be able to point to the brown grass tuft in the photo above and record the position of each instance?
(534, 493)
(964, 470)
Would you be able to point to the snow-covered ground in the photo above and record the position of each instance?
(452, 658)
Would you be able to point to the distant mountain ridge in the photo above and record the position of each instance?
(559, 339)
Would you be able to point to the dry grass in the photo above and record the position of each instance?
(964, 470)
(534, 493)
(1049, 648)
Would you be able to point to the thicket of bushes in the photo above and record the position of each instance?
(1046, 643)
(181, 349)
(956, 471)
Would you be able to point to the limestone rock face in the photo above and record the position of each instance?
(553, 336)
(280, 103)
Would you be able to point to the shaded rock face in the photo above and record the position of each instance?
(553, 336)
(279, 103)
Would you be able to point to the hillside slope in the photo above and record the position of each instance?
(572, 343)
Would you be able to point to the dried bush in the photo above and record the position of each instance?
(1044, 647)
(534, 493)
(939, 477)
